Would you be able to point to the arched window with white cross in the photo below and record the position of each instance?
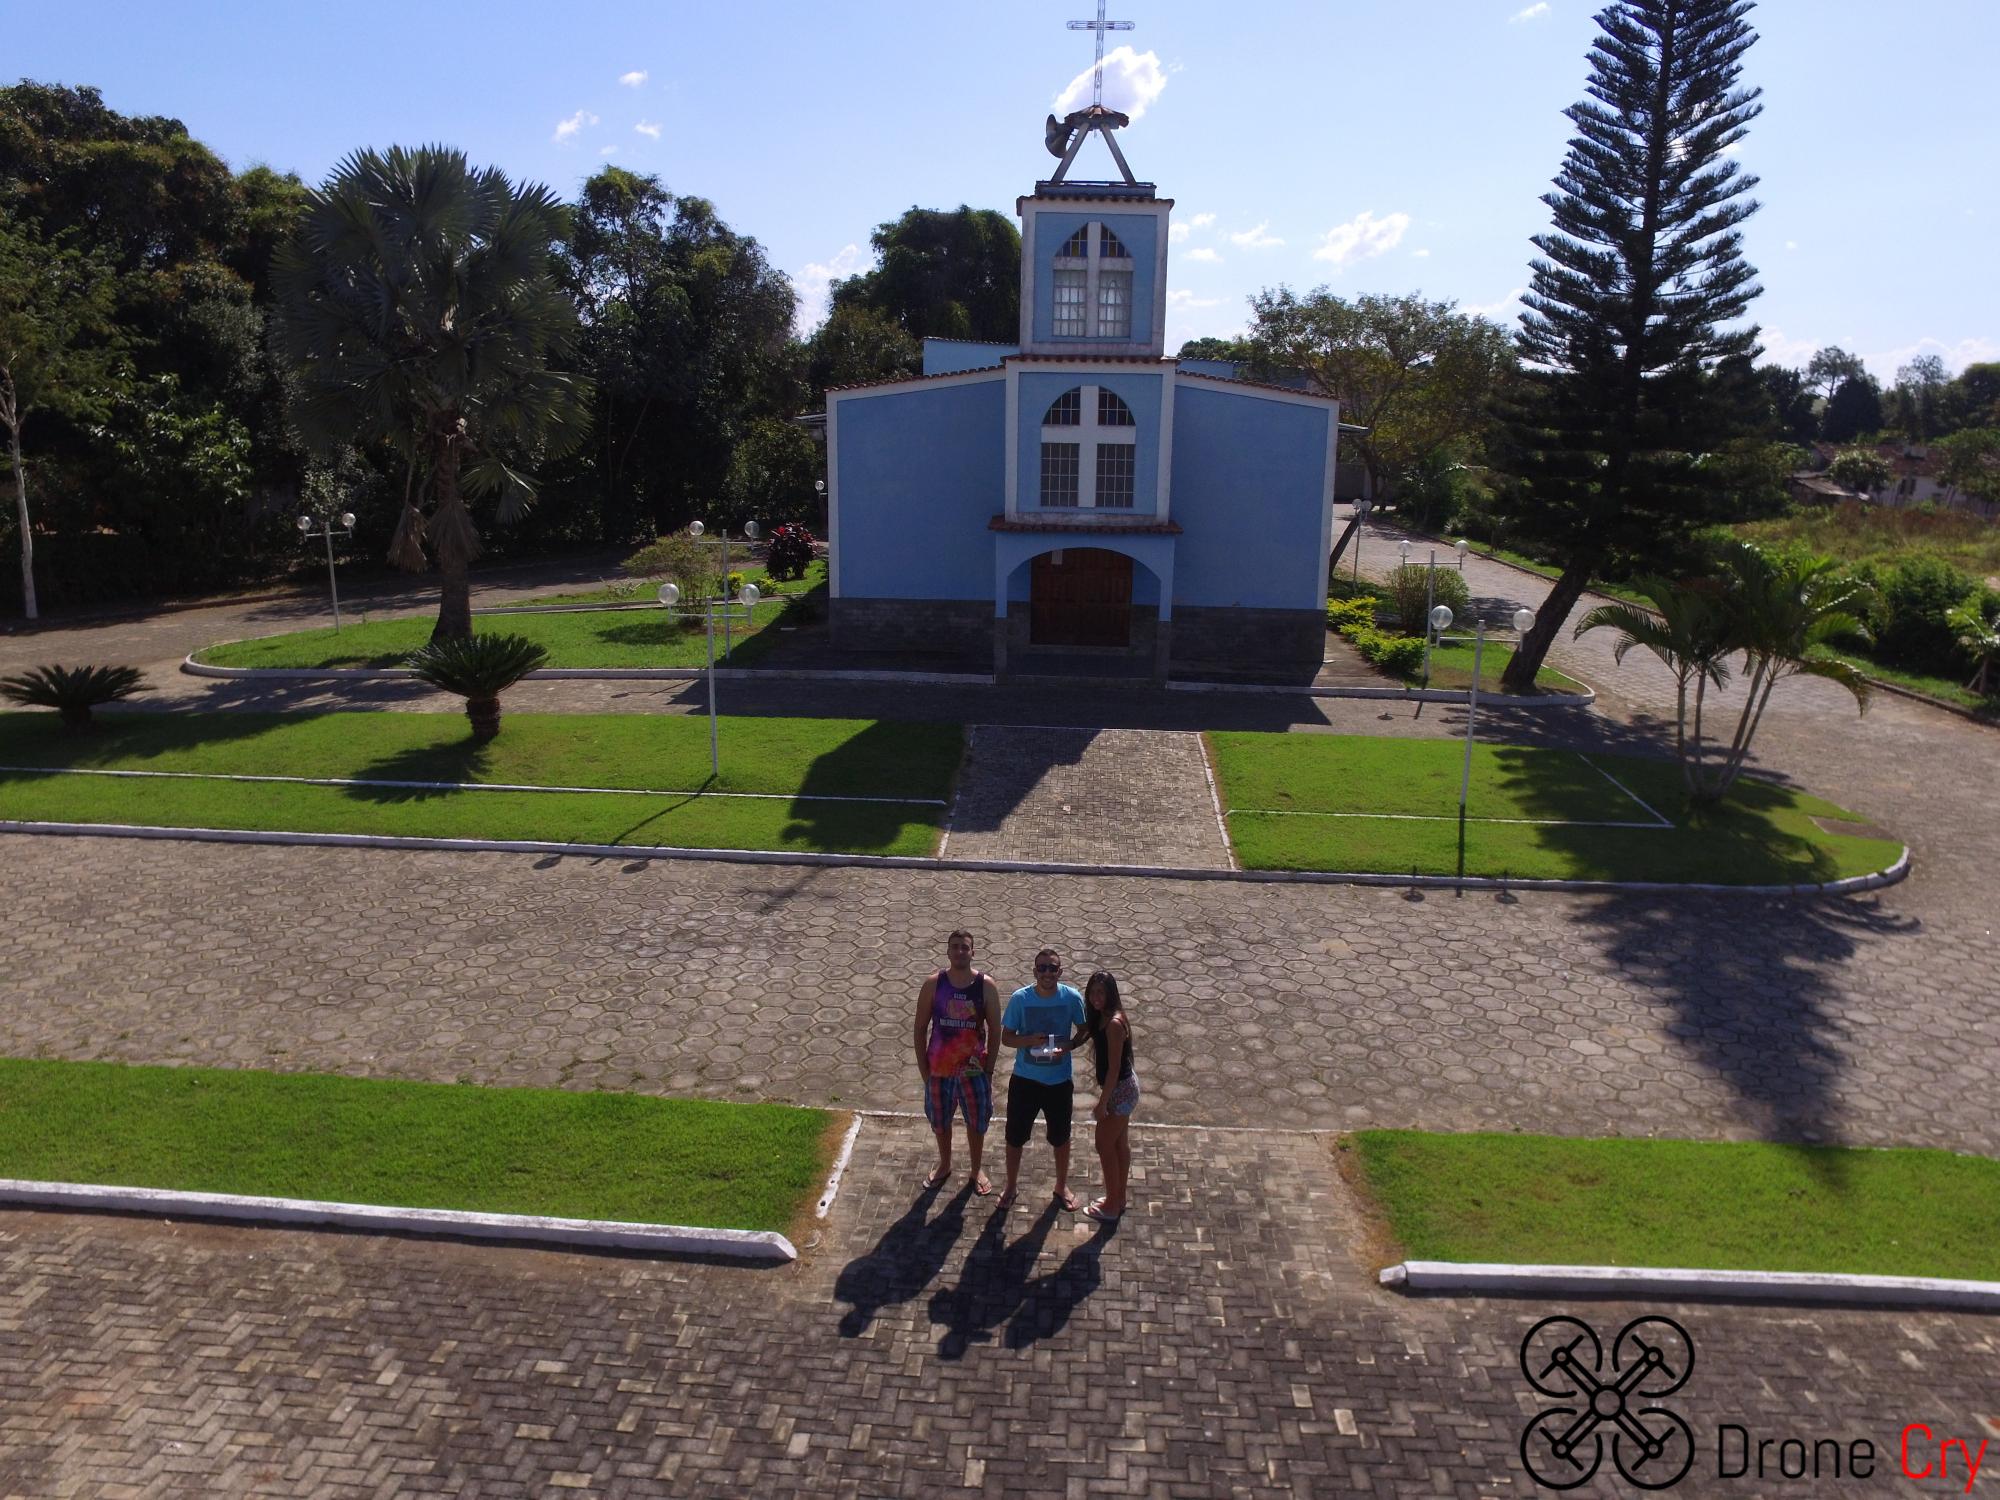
(1093, 286)
(1090, 448)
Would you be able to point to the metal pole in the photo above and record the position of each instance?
(1430, 599)
(725, 593)
(714, 751)
(1471, 709)
(326, 530)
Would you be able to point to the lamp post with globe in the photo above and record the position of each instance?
(750, 534)
(1522, 621)
(670, 598)
(326, 533)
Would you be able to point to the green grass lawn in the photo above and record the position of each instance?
(1950, 689)
(1451, 667)
(644, 590)
(1883, 534)
(411, 1145)
(591, 638)
(786, 759)
(1548, 1200)
(1762, 835)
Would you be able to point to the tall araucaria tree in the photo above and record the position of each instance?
(418, 305)
(1626, 314)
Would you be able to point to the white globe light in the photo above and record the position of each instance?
(1441, 617)
(751, 593)
(670, 594)
(1524, 619)
(1404, 548)
(750, 530)
(347, 519)
(695, 528)
(305, 523)
(1460, 545)
(820, 485)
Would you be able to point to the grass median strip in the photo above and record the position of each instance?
(1390, 806)
(411, 1145)
(785, 776)
(1749, 1206)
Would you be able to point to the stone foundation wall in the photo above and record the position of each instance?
(956, 625)
(1285, 638)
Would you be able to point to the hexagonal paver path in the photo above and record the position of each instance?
(1225, 1341)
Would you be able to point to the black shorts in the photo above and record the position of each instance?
(1028, 1097)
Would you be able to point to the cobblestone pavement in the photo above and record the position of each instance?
(1308, 1006)
(1225, 1340)
(1086, 796)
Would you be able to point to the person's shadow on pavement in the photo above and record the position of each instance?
(902, 1263)
(1048, 1301)
(991, 1285)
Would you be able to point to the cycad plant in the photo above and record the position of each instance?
(479, 670)
(73, 691)
(418, 307)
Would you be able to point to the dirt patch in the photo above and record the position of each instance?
(1372, 1245)
(1852, 830)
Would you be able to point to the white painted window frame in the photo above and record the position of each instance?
(1089, 436)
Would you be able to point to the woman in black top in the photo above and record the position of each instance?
(1111, 1051)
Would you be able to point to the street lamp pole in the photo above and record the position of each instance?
(326, 533)
(1523, 620)
(695, 530)
(670, 596)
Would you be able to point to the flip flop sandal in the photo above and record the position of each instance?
(1094, 1212)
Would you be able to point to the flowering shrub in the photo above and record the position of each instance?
(791, 552)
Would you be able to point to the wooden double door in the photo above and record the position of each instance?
(1080, 596)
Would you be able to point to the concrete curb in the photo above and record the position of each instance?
(195, 668)
(1852, 884)
(663, 1239)
(1471, 1279)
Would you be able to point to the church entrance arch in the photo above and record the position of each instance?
(1080, 596)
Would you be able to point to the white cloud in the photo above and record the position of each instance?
(1504, 309)
(633, 79)
(1421, 254)
(1539, 11)
(1204, 253)
(1183, 298)
(1256, 239)
(1362, 238)
(1956, 356)
(607, 150)
(1178, 234)
(1781, 349)
(1202, 221)
(1791, 244)
(647, 128)
(813, 282)
(566, 130)
(1132, 81)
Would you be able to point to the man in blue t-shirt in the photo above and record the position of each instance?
(1041, 1022)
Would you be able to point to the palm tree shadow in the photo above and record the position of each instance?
(992, 1285)
(463, 760)
(902, 1263)
(1755, 993)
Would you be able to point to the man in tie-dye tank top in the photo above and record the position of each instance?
(957, 1028)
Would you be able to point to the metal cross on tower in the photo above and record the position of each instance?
(1100, 26)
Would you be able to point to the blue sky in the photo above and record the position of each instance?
(1372, 147)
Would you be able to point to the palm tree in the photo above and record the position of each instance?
(1688, 629)
(418, 304)
(1786, 609)
(478, 669)
(1978, 627)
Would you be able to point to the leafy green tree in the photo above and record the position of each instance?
(771, 475)
(1971, 464)
(687, 340)
(1919, 397)
(1830, 367)
(1973, 399)
(1789, 413)
(857, 345)
(1688, 628)
(1977, 622)
(419, 306)
(1860, 469)
(1418, 375)
(55, 352)
(1855, 410)
(1240, 350)
(943, 275)
(1627, 328)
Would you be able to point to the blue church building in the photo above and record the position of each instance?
(1078, 500)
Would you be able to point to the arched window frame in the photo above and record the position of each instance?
(1090, 441)
(1107, 274)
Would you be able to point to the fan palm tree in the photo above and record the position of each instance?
(418, 305)
(1786, 610)
(1689, 628)
(1978, 628)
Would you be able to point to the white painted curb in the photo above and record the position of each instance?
(1468, 1278)
(1852, 884)
(1398, 695)
(195, 668)
(666, 1239)
(825, 1204)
